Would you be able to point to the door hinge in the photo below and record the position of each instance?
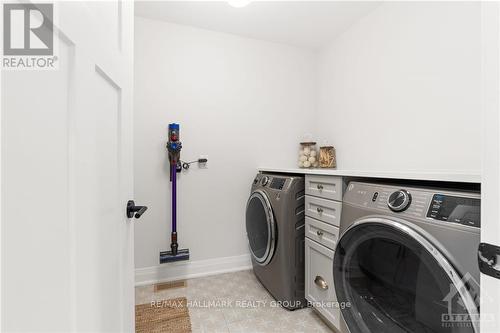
(488, 257)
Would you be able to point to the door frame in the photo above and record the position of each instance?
(490, 173)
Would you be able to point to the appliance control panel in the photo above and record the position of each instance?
(462, 208)
(271, 181)
(277, 183)
(455, 209)
(401, 201)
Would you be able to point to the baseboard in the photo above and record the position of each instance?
(191, 269)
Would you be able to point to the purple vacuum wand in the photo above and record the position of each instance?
(173, 173)
(174, 147)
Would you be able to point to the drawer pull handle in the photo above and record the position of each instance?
(320, 282)
(319, 233)
(319, 210)
(320, 187)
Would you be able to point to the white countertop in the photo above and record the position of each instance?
(432, 176)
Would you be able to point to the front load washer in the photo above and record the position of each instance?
(406, 260)
(275, 230)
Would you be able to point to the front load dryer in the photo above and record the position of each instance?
(275, 230)
(406, 260)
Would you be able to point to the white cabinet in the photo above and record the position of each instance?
(328, 187)
(319, 281)
(321, 232)
(323, 208)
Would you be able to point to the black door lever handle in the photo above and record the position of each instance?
(132, 208)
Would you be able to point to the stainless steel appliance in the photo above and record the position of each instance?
(275, 230)
(406, 260)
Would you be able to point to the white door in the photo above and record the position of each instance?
(490, 187)
(67, 245)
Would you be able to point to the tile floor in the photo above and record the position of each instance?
(235, 302)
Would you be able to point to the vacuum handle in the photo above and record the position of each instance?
(132, 208)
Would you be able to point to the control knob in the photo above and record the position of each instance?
(399, 201)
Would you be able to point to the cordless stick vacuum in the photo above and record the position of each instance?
(174, 147)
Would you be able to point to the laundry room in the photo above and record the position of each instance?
(251, 166)
(394, 88)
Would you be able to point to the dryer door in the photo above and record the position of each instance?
(261, 227)
(392, 279)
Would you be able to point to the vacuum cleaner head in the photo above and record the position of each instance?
(168, 256)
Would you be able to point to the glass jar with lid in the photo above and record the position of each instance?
(327, 157)
(308, 155)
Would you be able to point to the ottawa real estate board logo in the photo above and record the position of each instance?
(28, 36)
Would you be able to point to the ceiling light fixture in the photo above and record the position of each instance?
(239, 3)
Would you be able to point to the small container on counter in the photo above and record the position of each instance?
(308, 155)
(327, 157)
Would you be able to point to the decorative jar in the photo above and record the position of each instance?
(308, 155)
(327, 157)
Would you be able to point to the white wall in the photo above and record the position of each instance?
(401, 90)
(240, 101)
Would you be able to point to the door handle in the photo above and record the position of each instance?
(488, 259)
(132, 208)
(320, 282)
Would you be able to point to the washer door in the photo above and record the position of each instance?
(397, 281)
(261, 227)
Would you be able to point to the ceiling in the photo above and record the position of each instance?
(310, 24)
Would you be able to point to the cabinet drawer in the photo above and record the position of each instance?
(319, 281)
(321, 232)
(328, 187)
(324, 210)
